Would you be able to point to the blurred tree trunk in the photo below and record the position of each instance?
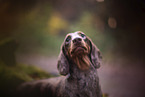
(7, 52)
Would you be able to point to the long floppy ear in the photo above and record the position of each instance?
(63, 64)
(95, 54)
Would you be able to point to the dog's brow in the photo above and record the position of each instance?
(68, 35)
(75, 35)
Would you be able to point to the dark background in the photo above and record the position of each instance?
(35, 29)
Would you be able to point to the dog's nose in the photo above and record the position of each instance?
(77, 40)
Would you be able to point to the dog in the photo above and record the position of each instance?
(78, 62)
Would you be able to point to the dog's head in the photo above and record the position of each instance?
(77, 48)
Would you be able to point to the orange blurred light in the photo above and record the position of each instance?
(112, 22)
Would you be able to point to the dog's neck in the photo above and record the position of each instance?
(77, 73)
(82, 62)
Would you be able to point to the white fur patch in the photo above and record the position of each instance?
(75, 35)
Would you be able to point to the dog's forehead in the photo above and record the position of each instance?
(75, 35)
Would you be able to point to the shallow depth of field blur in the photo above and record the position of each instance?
(32, 31)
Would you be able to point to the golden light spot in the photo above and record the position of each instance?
(56, 23)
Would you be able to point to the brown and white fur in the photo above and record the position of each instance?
(78, 62)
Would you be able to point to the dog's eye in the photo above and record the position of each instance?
(68, 38)
(82, 35)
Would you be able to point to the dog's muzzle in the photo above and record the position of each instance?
(78, 47)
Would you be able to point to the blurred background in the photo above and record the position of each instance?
(32, 31)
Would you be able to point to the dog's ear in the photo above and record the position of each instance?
(95, 54)
(63, 64)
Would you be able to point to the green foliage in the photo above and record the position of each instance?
(33, 72)
(11, 77)
(5, 40)
(43, 32)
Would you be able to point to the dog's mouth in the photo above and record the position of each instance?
(79, 50)
(80, 56)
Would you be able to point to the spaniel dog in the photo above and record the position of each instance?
(78, 62)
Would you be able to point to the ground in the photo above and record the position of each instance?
(116, 79)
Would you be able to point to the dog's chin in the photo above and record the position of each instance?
(82, 61)
(80, 56)
(78, 52)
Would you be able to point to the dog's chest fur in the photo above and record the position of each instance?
(81, 83)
